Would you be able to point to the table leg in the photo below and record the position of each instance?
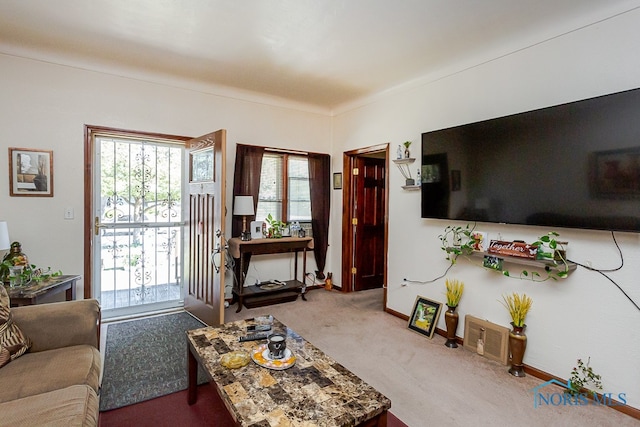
(192, 377)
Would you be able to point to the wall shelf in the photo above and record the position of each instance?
(548, 265)
(403, 166)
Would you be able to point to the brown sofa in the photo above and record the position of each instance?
(57, 381)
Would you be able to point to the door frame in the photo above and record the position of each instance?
(348, 249)
(89, 132)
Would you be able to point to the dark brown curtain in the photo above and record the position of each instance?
(320, 186)
(246, 180)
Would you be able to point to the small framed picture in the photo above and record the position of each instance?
(492, 262)
(30, 172)
(424, 316)
(337, 180)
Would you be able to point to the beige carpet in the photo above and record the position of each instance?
(428, 383)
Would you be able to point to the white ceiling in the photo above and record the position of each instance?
(325, 53)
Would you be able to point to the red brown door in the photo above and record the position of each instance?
(369, 211)
(204, 266)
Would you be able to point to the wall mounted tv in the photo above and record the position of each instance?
(571, 165)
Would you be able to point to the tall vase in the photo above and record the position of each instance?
(451, 320)
(517, 345)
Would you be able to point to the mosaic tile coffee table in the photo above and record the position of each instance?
(314, 391)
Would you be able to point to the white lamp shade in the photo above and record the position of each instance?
(243, 205)
(4, 236)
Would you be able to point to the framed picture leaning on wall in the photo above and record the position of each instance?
(424, 316)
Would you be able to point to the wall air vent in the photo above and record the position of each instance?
(487, 339)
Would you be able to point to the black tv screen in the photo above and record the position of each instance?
(571, 165)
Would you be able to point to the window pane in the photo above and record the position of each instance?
(271, 188)
(299, 206)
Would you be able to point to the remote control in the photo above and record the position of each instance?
(254, 328)
(254, 337)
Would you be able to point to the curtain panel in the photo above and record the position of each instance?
(320, 186)
(246, 180)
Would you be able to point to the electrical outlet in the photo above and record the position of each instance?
(69, 213)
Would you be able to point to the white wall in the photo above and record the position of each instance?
(580, 317)
(46, 106)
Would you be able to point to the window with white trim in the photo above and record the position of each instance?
(284, 188)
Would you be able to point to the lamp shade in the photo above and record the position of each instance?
(243, 205)
(4, 236)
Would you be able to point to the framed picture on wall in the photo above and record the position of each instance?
(30, 172)
(424, 316)
(337, 181)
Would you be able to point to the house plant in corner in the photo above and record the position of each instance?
(455, 289)
(518, 307)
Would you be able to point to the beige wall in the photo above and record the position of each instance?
(46, 106)
(580, 317)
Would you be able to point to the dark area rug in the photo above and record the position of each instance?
(146, 358)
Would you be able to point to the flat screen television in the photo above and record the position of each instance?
(573, 165)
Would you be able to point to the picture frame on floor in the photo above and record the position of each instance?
(424, 316)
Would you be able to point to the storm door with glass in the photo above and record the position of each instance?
(138, 224)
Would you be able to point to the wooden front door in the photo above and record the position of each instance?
(369, 213)
(204, 266)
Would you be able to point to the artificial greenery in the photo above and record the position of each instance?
(275, 226)
(581, 376)
(556, 253)
(458, 240)
(455, 288)
(518, 307)
(406, 144)
(29, 272)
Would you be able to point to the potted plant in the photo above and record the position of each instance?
(518, 307)
(275, 226)
(406, 144)
(454, 292)
(581, 376)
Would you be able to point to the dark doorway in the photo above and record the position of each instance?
(365, 224)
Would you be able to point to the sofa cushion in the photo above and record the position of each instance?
(70, 406)
(13, 343)
(40, 372)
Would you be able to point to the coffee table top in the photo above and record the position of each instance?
(315, 391)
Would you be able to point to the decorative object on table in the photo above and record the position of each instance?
(235, 359)
(14, 257)
(518, 307)
(455, 289)
(399, 152)
(581, 376)
(30, 172)
(256, 229)
(424, 316)
(262, 358)
(407, 144)
(277, 344)
(4, 245)
(243, 205)
(275, 227)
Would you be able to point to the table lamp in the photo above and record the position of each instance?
(243, 205)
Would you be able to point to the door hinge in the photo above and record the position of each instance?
(356, 171)
(354, 221)
(353, 270)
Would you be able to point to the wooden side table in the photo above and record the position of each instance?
(242, 251)
(36, 292)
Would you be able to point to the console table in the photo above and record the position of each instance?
(34, 292)
(257, 296)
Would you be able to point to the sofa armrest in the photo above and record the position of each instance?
(60, 324)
